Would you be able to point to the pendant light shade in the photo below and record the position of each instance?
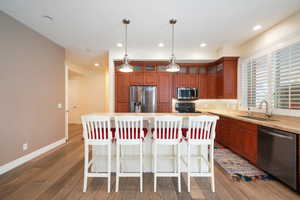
(126, 67)
(173, 67)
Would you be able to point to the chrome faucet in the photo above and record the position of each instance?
(267, 114)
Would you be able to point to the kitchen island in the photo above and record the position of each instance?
(165, 164)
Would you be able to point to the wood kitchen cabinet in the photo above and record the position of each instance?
(164, 92)
(211, 82)
(137, 78)
(150, 78)
(122, 82)
(239, 136)
(226, 78)
(202, 82)
(217, 79)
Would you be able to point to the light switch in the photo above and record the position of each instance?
(59, 105)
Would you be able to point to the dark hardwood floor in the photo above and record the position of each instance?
(59, 174)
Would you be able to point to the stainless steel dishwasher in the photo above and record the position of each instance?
(277, 154)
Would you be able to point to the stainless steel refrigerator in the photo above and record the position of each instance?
(143, 99)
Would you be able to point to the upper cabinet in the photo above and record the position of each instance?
(227, 78)
(215, 80)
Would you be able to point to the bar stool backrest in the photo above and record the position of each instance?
(96, 128)
(167, 128)
(129, 127)
(202, 127)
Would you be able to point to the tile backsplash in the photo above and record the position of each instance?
(224, 104)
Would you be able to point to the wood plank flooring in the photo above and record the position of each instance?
(59, 175)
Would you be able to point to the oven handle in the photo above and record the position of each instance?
(276, 134)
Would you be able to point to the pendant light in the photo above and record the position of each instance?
(126, 67)
(173, 67)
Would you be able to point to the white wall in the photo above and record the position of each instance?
(282, 32)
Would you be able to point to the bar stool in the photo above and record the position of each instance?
(202, 131)
(129, 131)
(167, 131)
(96, 131)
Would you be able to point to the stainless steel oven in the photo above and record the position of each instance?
(187, 93)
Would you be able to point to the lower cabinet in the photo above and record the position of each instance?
(239, 136)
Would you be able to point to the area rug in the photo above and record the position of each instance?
(236, 167)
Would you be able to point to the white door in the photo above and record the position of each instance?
(73, 100)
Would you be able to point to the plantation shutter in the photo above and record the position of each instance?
(257, 80)
(286, 67)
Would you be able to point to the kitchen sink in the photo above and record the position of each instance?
(257, 118)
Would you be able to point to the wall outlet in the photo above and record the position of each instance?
(25, 146)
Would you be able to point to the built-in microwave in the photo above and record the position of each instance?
(187, 93)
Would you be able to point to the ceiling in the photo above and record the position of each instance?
(87, 28)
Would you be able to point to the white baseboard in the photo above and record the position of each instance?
(15, 163)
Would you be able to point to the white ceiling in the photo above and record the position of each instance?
(94, 26)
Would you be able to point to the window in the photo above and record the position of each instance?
(275, 76)
(286, 67)
(256, 75)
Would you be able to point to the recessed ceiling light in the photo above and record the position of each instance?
(257, 27)
(161, 44)
(203, 45)
(48, 18)
(119, 44)
(96, 64)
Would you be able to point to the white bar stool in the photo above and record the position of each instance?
(96, 131)
(202, 131)
(167, 131)
(129, 131)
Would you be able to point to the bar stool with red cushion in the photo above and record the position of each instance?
(201, 131)
(167, 131)
(96, 131)
(129, 131)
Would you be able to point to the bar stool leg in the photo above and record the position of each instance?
(118, 167)
(212, 170)
(175, 159)
(178, 170)
(189, 167)
(141, 167)
(155, 165)
(86, 166)
(109, 166)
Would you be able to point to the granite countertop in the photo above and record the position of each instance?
(285, 123)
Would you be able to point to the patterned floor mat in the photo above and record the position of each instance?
(237, 167)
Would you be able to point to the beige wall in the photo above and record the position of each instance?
(285, 30)
(31, 84)
(88, 91)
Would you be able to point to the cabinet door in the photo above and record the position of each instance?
(211, 83)
(230, 79)
(164, 107)
(202, 82)
(193, 80)
(219, 132)
(236, 136)
(249, 148)
(164, 92)
(150, 78)
(219, 81)
(122, 87)
(137, 78)
(164, 87)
